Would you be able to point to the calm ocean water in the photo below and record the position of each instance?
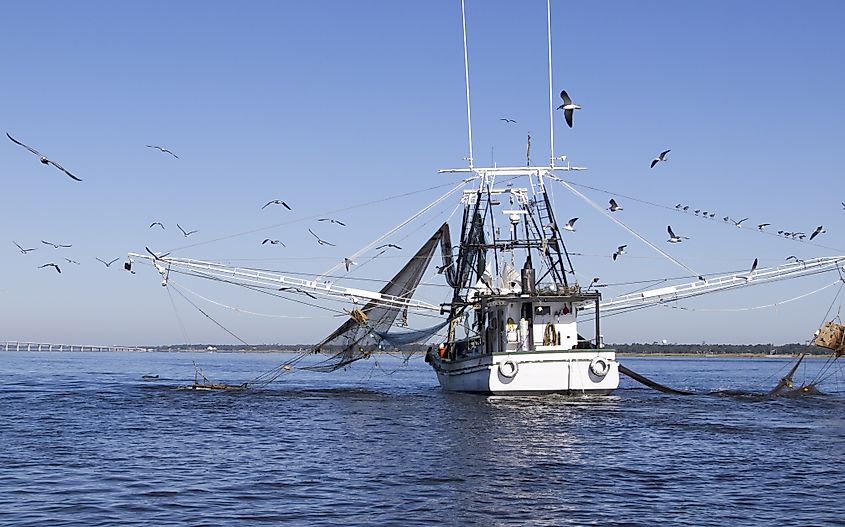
(86, 441)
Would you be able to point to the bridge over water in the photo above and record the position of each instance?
(14, 345)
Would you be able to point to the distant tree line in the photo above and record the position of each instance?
(717, 349)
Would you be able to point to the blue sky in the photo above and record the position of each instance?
(333, 105)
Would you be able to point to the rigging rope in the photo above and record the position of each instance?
(733, 310)
(630, 230)
(402, 224)
(221, 326)
(674, 209)
(300, 220)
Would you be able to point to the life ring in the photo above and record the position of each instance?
(508, 369)
(599, 366)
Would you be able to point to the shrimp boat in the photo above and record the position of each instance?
(517, 332)
(513, 308)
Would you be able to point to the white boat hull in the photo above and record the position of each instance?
(536, 372)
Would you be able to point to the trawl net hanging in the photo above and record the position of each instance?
(362, 333)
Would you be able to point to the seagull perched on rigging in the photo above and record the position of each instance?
(166, 151)
(155, 255)
(348, 263)
(332, 220)
(619, 252)
(273, 242)
(674, 238)
(56, 245)
(51, 264)
(153, 224)
(568, 107)
(819, 230)
(186, 233)
(22, 250)
(107, 264)
(505, 119)
(388, 245)
(320, 240)
(44, 159)
(661, 157)
(763, 226)
(276, 202)
(614, 206)
(297, 290)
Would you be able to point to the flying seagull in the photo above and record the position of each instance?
(751, 272)
(23, 251)
(276, 202)
(347, 262)
(686, 208)
(505, 119)
(568, 107)
(107, 264)
(679, 205)
(166, 151)
(763, 226)
(619, 252)
(332, 220)
(320, 240)
(388, 245)
(661, 157)
(127, 265)
(55, 245)
(51, 264)
(273, 242)
(570, 225)
(614, 206)
(186, 233)
(739, 223)
(674, 238)
(819, 230)
(44, 159)
(68, 260)
(153, 224)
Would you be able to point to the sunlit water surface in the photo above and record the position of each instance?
(84, 440)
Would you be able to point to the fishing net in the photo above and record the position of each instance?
(366, 330)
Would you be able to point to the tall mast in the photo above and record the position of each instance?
(466, 76)
(551, 92)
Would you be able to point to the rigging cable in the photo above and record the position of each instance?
(221, 326)
(402, 224)
(178, 318)
(313, 216)
(618, 222)
(674, 209)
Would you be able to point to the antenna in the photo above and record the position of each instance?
(466, 75)
(551, 93)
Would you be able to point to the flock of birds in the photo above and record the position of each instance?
(675, 238)
(795, 235)
(347, 262)
(568, 107)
